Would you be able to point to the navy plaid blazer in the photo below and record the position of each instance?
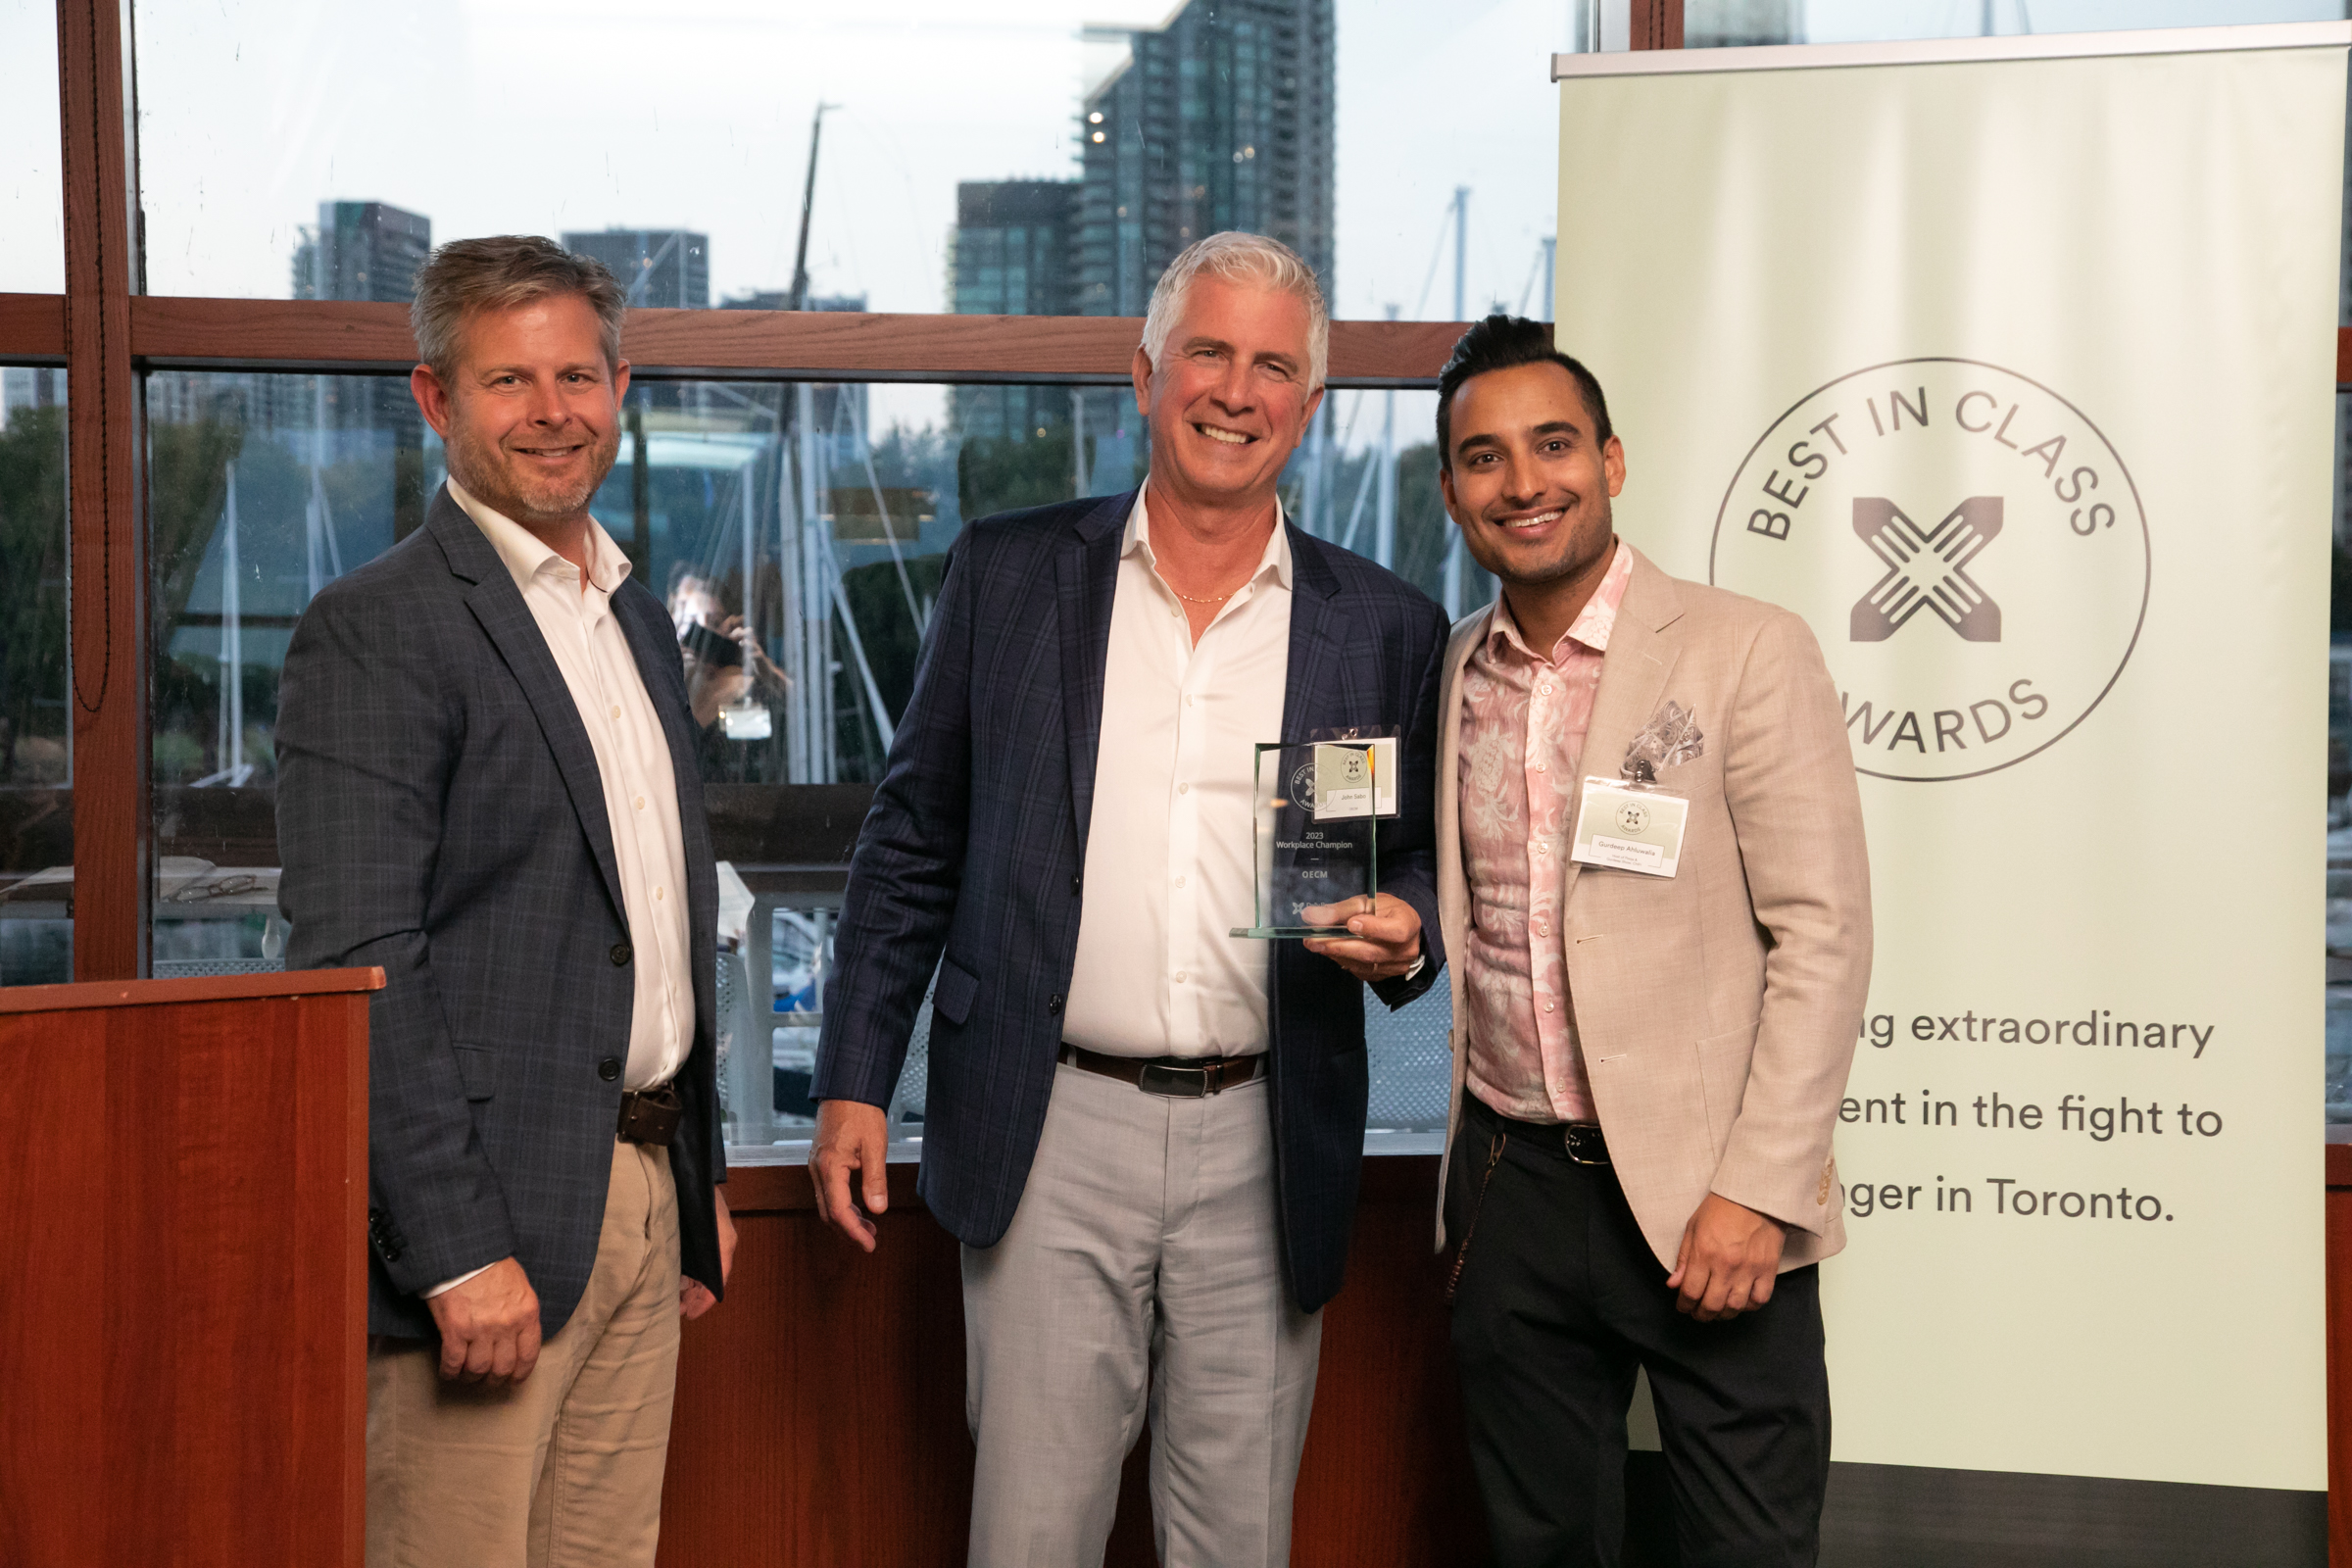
(973, 854)
(440, 813)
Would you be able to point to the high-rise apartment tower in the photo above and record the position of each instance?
(1220, 117)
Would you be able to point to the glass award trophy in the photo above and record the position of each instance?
(1317, 807)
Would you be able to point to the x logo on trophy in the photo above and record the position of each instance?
(1926, 569)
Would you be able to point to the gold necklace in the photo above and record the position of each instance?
(1192, 599)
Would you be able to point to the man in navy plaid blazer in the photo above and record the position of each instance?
(487, 786)
(1146, 1132)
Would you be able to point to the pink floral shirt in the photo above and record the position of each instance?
(1524, 718)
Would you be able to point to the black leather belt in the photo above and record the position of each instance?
(1178, 1077)
(1581, 1142)
(650, 1115)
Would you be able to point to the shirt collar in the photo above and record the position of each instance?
(1592, 625)
(527, 555)
(1276, 559)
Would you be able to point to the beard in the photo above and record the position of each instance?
(501, 482)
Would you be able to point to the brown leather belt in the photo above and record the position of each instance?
(1178, 1077)
(1580, 1141)
(650, 1115)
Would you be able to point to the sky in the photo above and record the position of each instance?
(496, 115)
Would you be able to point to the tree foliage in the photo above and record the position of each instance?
(34, 559)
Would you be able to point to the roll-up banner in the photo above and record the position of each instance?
(2009, 365)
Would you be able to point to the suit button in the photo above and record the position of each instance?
(1054, 1003)
(1075, 884)
(609, 1069)
(621, 954)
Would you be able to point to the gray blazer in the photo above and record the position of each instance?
(439, 814)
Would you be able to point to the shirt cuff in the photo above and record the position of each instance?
(1419, 965)
(450, 1285)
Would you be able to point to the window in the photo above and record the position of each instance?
(37, 730)
(263, 488)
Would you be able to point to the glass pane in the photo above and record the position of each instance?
(33, 202)
(36, 722)
(833, 505)
(1714, 24)
(1006, 156)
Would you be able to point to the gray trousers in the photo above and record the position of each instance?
(1145, 1255)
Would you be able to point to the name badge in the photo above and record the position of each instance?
(1629, 829)
(1345, 781)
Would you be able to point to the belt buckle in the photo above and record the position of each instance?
(1573, 1140)
(1176, 1083)
(650, 1117)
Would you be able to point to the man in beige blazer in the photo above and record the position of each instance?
(1647, 1068)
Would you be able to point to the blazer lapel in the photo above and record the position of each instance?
(497, 603)
(1633, 679)
(1318, 680)
(1085, 577)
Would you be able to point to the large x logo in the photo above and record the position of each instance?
(1926, 569)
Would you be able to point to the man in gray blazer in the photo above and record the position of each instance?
(487, 786)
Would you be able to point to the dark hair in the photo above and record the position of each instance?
(1504, 343)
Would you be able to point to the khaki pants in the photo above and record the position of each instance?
(1141, 1279)
(565, 1468)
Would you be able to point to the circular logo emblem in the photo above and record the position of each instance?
(1632, 818)
(1967, 545)
(1303, 785)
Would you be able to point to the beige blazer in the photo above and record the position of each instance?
(1719, 1007)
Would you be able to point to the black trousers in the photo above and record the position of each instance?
(1557, 1301)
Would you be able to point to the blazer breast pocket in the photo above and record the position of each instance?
(951, 998)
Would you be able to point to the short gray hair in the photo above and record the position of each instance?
(1242, 259)
(497, 273)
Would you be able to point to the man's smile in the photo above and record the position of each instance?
(1527, 524)
(1234, 438)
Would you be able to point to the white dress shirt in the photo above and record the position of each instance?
(633, 763)
(1170, 865)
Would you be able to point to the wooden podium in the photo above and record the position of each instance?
(183, 1289)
